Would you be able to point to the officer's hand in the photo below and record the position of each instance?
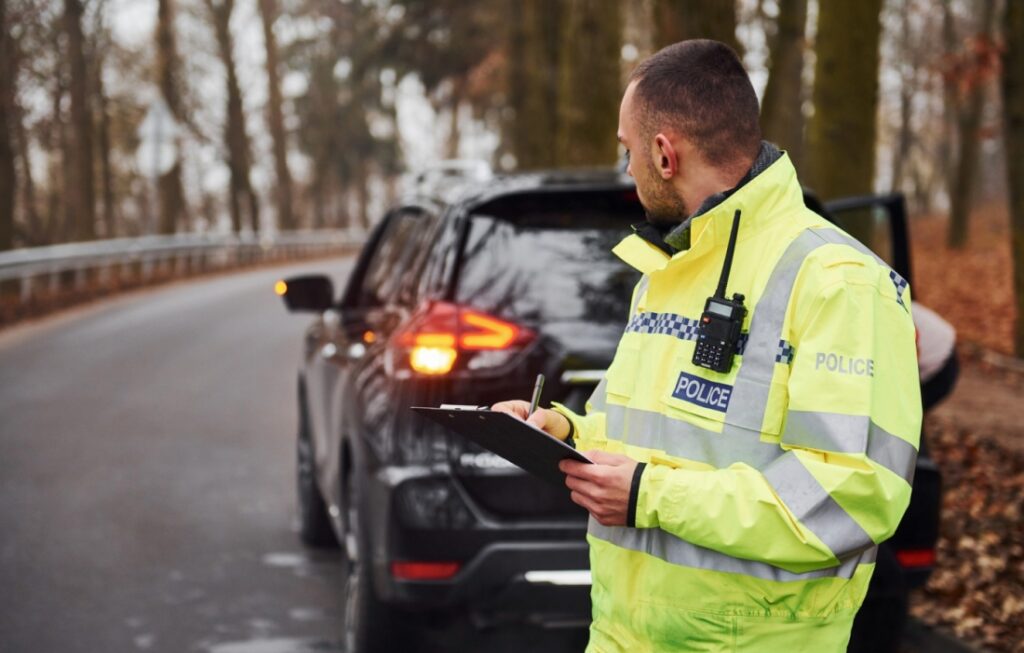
(549, 421)
(601, 488)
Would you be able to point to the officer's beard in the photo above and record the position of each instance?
(662, 205)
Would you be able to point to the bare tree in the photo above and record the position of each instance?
(235, 135)
(83, 189)
(172, 194)
(841, 134)
(275, 118)
(8, 180)
(967, 74)
(1013, 121)
(588, 89)
(678, 20)
(100, 43)
(782, 119)
(533, 87)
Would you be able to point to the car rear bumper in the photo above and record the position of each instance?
(541, 583)
(511, 570)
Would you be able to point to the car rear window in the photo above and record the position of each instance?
(546, 259)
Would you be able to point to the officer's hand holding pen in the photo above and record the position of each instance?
(602, 488)
(550, 421)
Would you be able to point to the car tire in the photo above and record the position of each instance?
(315, 528)
(368, 624)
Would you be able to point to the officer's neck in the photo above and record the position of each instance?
(703, 181)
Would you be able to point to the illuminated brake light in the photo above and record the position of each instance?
(495, 333)
(433, 340)
(424, 570)
(440, 332)
(432, 360)
(916, 557)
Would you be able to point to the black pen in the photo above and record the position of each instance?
(537, 388)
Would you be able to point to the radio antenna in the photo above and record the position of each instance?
(723, 281)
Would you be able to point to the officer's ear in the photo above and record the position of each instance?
(666, 157)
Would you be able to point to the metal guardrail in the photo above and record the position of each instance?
(139, 259)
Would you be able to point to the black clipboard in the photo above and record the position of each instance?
(511, 438)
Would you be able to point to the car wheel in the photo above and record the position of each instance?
(315, 528)
(368, 624)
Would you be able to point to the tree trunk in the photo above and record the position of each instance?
(235, 135)
(679, 20)
(33, 225)
(589, 88)
(62, 228)
(83, 187)
(968, 124)
(904, 137)
(275, 119)
(362, 184)
(172, 194)
(1013, 121)
(533, 87)
(103, 152)
(455, 103)
(841, 134)
(8, 179)
(782, 118)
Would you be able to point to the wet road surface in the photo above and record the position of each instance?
(147, 477)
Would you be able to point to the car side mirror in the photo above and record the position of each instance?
(308, 293)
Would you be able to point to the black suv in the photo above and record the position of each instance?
(465, 296)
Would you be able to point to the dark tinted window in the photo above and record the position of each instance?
(547, 260)
(398, 252)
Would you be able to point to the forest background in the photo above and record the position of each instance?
(121, 118)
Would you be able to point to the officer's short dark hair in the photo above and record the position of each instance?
(700, 89)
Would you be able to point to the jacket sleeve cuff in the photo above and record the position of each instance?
(574, 428)
(634, 495)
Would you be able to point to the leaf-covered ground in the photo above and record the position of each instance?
(973, 287)
(977, 590)
(976, 437)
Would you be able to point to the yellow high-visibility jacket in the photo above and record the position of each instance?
(763, 492)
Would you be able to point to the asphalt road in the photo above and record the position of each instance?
(147, 477)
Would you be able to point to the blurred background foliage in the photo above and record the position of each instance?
(287, 114)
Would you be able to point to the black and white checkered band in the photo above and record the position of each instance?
(901, 286)
(685, 328)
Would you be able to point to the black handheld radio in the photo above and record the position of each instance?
(718, 334)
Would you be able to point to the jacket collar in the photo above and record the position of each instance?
(763, 196)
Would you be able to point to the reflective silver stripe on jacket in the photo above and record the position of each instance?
(665, 546)
(850, 434)
(814, 507)
(676, 437)
(641, 288)
(749, 401)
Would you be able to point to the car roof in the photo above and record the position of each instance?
(470, 194)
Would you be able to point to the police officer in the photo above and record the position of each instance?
(738, 506)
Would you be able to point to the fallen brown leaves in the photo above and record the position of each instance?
(977, 590)
(973, 287)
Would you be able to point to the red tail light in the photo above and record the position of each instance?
(424, 570)
(916, 557)
(436, 336)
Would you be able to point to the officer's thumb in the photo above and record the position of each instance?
(539, 418)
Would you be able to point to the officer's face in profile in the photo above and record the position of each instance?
(662, 204)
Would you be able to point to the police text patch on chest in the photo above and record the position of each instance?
(702, 392)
